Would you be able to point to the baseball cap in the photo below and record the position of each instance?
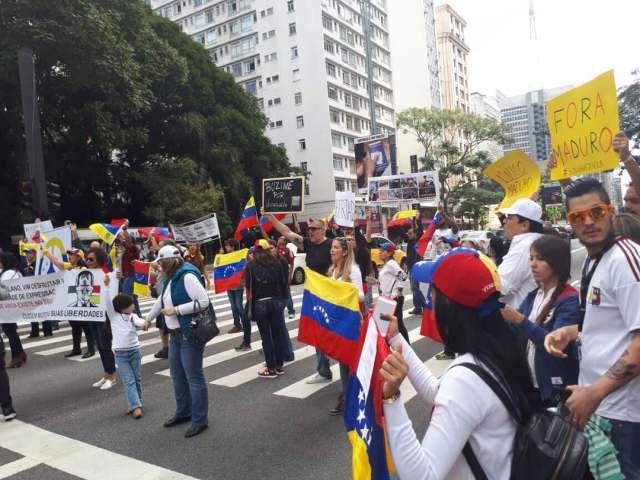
(169, 251)
(262, 243)
(526, 208)
(464, 275)
(76, 251)
(388, 246)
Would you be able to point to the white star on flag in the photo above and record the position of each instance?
(361, 416)
(361, 396)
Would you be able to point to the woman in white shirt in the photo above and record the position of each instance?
(465, 289)
(177, 303)
(344, 268)
(10, 270)
(392, 280)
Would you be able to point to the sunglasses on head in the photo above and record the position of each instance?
(597, 212)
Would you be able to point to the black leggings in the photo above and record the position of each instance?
(5, 394)
(398, 315)
(11, 331)
(77, 327)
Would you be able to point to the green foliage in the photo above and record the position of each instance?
(472, 200)
(452, 142)
(629, 108)
(122, 90)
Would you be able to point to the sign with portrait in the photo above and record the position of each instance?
(422, 187)
(375, 157)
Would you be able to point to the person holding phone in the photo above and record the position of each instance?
(391, 282)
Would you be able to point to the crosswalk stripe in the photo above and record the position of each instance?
(61, 330)
(10, 469)
(143, 343)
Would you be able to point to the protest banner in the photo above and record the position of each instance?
(56, 241)
(30, 229)
(69, 295)
(375, 157)
(517, 174)
(422, 187)
(582, 123)
(345, 210)
(201, 230)
(283, 195)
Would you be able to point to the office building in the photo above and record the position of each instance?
(311, 66)
(453, 55)
(488, 106)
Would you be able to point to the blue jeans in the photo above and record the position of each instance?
(129, 362)
(270, 319)
(418, 297)
(126, 286)
(289, 303)
(235, 299)
(625, 436)
(189, 384)
(323, 365)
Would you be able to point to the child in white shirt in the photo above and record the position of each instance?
(126, 346)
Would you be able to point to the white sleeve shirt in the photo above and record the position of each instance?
(392, 279)
(516, 279)
(195, 291)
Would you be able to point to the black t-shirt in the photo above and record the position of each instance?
(318, 255)
(268, 281)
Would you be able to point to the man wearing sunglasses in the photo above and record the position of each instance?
(610, 328)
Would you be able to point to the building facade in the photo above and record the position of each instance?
(311, 66)
(453, 55)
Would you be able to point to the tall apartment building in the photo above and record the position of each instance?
(320, 69)
(453, 53)
(527, 118)
(414, 63)
(488, 106)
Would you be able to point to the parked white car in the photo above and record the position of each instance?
(299, 264)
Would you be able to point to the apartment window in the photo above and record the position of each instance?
(300, 121)
(338, 163)
(349, 122)
(290, 6)
(303, 166)
(336, 140)
(277, 101)
(211, 36)
(332, 92)
(331, 69)
(328, 46)
(327, 23)
(302, 144)
(292, 29)
(347, 100)
(275, 78)
(296, 74)
(339, 185)
(272, 57)
(334, 116)
(200, 38)
(278, 123)
(199, 19)
(251, 87)
(249, 66)
(209, 14)
(297, 98)
(294, 52)
(236, 69)
(269, 34)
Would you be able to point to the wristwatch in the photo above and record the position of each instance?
(392, 399)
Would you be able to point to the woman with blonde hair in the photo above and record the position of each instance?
(344, 268)
(184, 287)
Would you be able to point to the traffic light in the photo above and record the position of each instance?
(25, 191)
(54, 198)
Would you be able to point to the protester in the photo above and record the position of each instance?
(391, 282)
(522, 227)
(471, 244)
(128, 253)
(160, 280)
(195, 258)
(627, 225)
(413, 234)
(608, 383)
(266, 283)
(76, 261)
(126, 346)
(318, 258)
(177, 303)
(287, 354)
(553, 305)
(10, 270)
(362, 256)
(28, 271)
(465, 409)
(631, 197)
(285, 253)
(240, 321)
(344, 268)
(6, 403)
(498, 248)
(101, 331)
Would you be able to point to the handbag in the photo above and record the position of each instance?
(203, 323)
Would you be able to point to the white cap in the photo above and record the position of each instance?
(169, 251)
(526, 208)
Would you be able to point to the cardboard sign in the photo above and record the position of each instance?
(582, 124)
(345, 210)
(30, 229)
(422, 187)
(200, 230)
(283, 195)
(517, 174)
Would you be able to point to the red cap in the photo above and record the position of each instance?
(467, 279)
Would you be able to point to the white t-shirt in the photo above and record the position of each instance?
(483, 421)
(516, 279)
(123, 326)
(612, 313)
(392, 278)
(195, 290)
(356, 279)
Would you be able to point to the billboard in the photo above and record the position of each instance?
(375, 157)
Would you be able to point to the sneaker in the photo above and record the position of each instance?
(243, 348)
(339, 408)
(266, 373)
(279, 371)
(235, 330)
(108, 384)
(137, 413)
(89, 354)
(73, 353)
(99, 383)
(8, 413)
(164, 353)
(317, 378)
(444, 356)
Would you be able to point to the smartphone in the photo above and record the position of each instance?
(383, 305)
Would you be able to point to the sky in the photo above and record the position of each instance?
(577, 40)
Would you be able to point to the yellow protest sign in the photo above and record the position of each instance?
(582, 123)
(517, 174)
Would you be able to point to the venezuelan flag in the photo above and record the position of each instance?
(266, 224)
(228, 270)
(249, 219)
(330, 316)
(105, 232)
(141, 278)
(24, 246)
(363, 414)
(403, 218)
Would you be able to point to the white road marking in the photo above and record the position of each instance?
(25, 463)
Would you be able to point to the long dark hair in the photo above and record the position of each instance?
(264, 258)
(9, 262)
(490, 340)
(557, 253)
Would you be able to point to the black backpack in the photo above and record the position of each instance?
(545, 447)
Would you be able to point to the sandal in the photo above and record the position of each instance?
(266, 373)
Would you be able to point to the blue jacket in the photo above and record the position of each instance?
(179, 295)
(550, 371)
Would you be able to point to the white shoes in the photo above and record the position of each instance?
(108, 384)
(99, 383)
(317, 378)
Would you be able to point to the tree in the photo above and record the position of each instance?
(452, 142)
(629, 108)
(121, 91)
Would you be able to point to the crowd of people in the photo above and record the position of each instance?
(516, 315)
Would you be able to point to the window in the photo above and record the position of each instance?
(278, 123)
(347, 100)
(296, 74)
(338, 164)
(349, 122)
(272, 57)
(339, 185)
(249, 66)
(331, 69)
(294, 52)
(300, 121)
(269, 34)
(302, 144)
(303, 166)
(327, 23)
(328, 46)
(297, 98)
(281, 145)
(199, 19)
(197, 3)
(236, 69)
(277, 101)
(275, 78)
(251, 87)
(211, 36)
(290, 6)
(332, 92)
(209, 14)
(292, 29)
(336, 140)
(334, 116)
(200, 38)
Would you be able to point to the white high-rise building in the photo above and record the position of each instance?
(311, 64)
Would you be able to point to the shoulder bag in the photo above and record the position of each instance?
(203, 323)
